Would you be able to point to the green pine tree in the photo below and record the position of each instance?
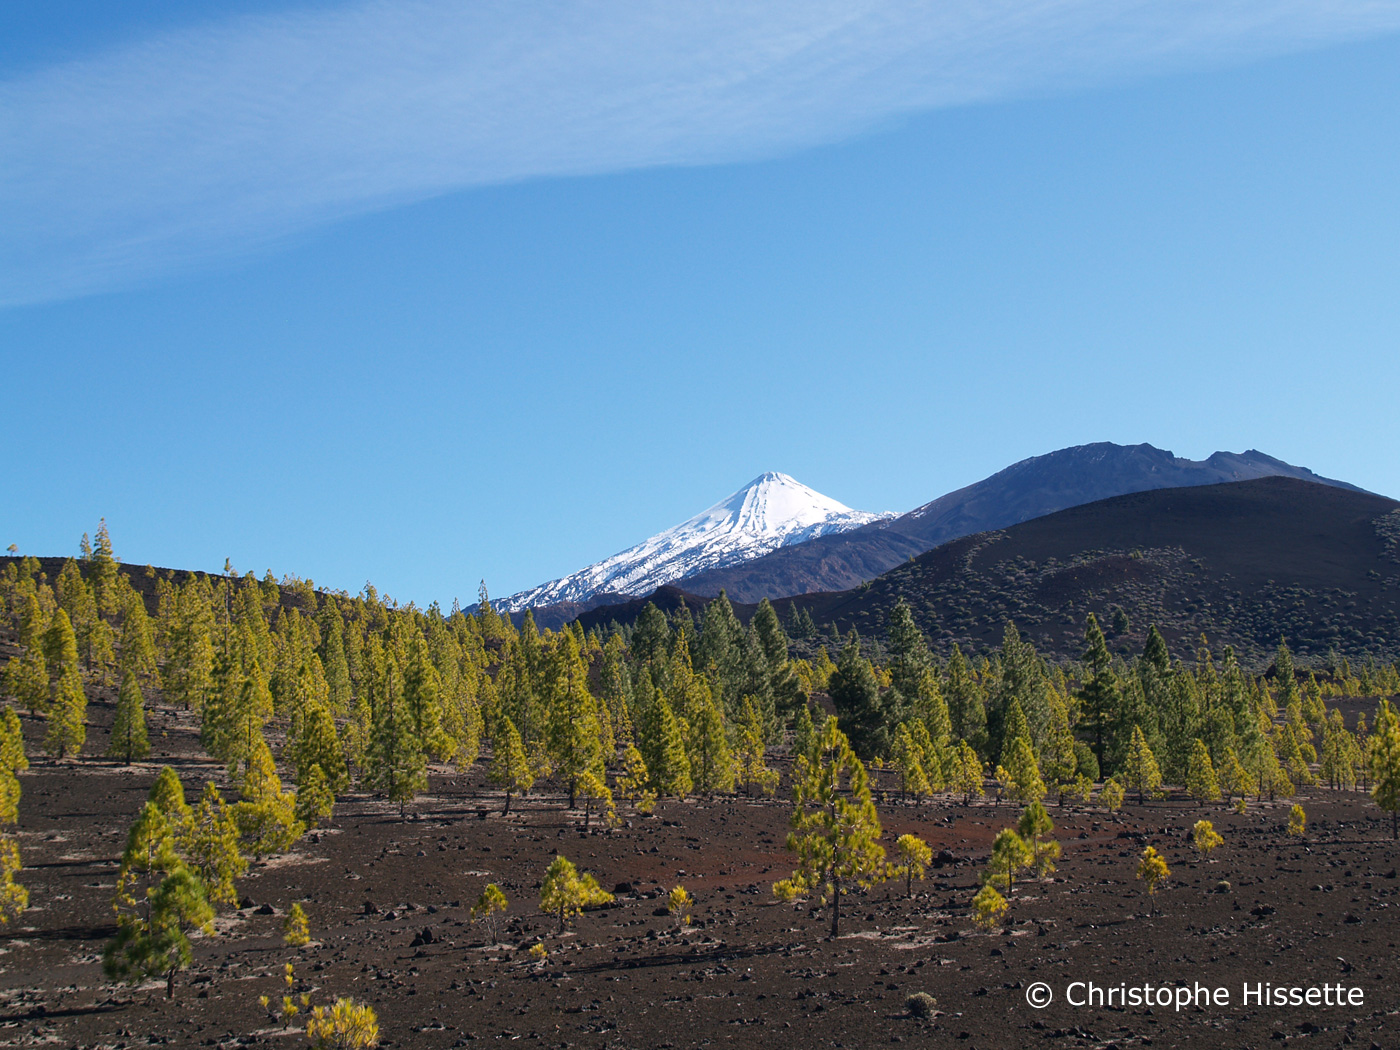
(510, 767)
(129, 741)
(836, 831)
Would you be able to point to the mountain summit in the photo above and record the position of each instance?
(1069, 477)
(772, 511)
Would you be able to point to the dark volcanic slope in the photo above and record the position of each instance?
(1029, 489)
(1244, 562)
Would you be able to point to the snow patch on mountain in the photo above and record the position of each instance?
(772, 511)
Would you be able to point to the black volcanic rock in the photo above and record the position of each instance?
(1029, 489)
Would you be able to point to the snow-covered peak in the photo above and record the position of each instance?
(772, 511)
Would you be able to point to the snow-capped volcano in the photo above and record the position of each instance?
(769, 512)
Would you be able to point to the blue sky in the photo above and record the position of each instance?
(325, 290)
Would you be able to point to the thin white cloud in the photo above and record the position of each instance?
(210, 141)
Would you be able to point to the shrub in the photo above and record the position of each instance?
(678, 904)
(296, 930)
(988, 907)
(1204, 836)
(347, 1025)
(1297, 821)
(920, 1004)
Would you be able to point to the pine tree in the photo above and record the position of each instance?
(1141, 772)
(1152, 869)
(422, 696)
(571, 713)
(1201, 782)
(914, 856)
(318, 745)
(510, 768)
(836, 830)
(1385, 764)
(750, 750)
(670, 771)
(12, 763)
(565, 892)
(783, 684)
(129, 741)
(909, 656)
(1015, 728)
(489, 909)
(967, 773)
(711, 762)
(966, 704)
(1021, 773)
(211, 846)
(26, 675)
(855, 692)
(266, 814)
(1033, 827)
(634, 780)
(168, 795)
(804, 733)
(14, 898)
(296, 930)
(155, 942)
(396, 765)
(67, 726)
(907, 758)
(1204, 837)
(988, 907)
(1100, 692)
(1010, 855)
(315, 801)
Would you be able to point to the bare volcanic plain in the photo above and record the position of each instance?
(388, 899)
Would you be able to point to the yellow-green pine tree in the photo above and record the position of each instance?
(836, 830)
(1201, 782)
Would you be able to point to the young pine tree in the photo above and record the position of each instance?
(395, 765)
(1141, 770)
(1010, 855)
(914, 856)
(565, 892)
(510, 766)
(315, 801)
(12, 763)
(670, 770)
(836, 830)
(1033, 827)
(210, 846)
(1201, 781)
(266, 814)
(154, 941)
(907, 758)
(711, 762)
(1384, 763)
(129, 741)
(967, 773)
(27, 675)
(750, 749)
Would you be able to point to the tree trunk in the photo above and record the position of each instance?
(835, 906)
(507, 809)
(170, 984)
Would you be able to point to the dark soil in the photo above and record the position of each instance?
(750, 971)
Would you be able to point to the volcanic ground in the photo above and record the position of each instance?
(389, 898)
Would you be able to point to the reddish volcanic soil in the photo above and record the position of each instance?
(751, 972)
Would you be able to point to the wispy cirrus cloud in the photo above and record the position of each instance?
(196, 144)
